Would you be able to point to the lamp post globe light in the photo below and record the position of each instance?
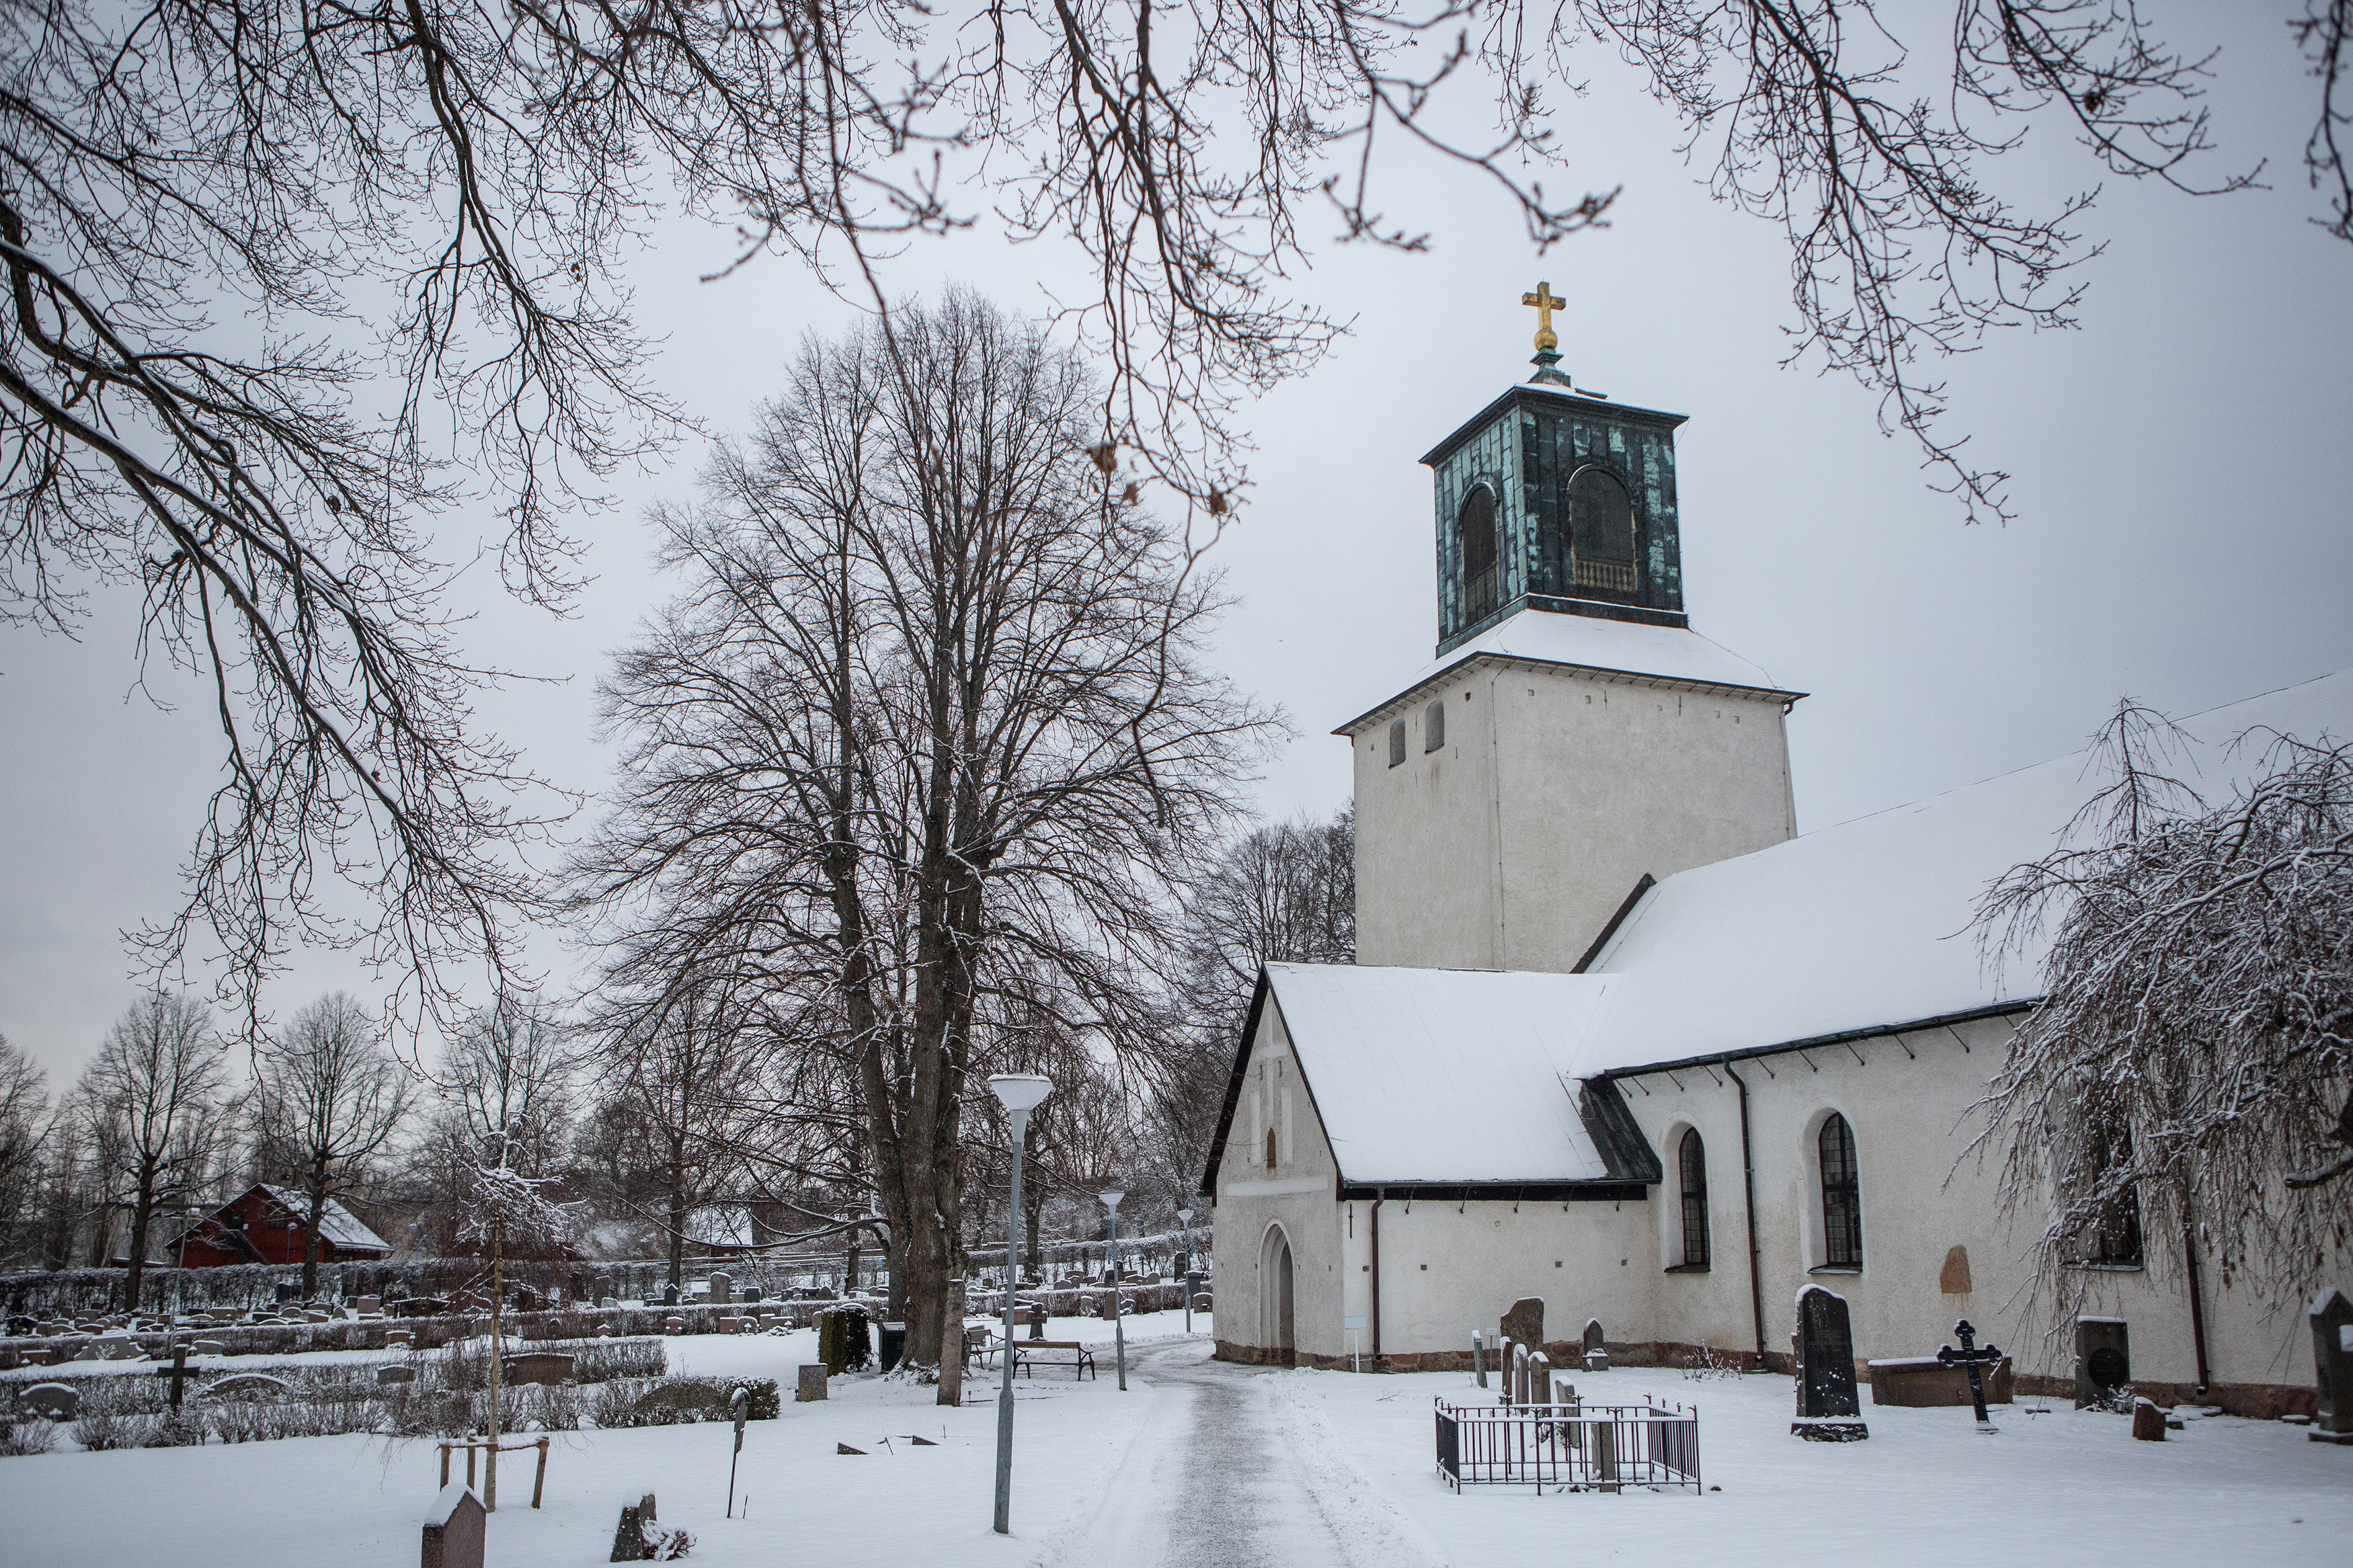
(1185, 1271)
(1111, 1197)
(1020, 1094)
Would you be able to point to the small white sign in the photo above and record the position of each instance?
(1352, 1322)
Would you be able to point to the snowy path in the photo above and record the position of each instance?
(1229, 1472)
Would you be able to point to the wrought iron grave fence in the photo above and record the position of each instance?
(1570, 1447)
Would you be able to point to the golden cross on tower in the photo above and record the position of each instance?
(1546, 302)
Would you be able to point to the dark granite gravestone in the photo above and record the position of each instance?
(2332, 1366)
(2102, 1362)
(553, 1368)
(391, 1374)
(1524, 1324)
(453, 1531)
(669, 1296)
(629, 1536)
(56, 1401)
(1827, 1409)
(1597, 1347)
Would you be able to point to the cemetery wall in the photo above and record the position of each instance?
(1923, 1194)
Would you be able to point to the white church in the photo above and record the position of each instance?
(1618, 1036)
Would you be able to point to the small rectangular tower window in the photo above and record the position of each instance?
(1433, 726)
(1396, 742)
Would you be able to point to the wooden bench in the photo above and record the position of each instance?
(1028, 1352)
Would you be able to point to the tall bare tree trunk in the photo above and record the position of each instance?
(498, 1355)
(310, 1247)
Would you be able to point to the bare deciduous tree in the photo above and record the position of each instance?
(153, 1096)
(1283, 892)
(24, 1106)
(928, 719)
(328, 1097)
(285, 283)
(2190, 1071)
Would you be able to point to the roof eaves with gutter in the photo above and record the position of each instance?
(1412, 694)
(1817, 1042)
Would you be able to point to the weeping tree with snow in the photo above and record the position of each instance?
(507, 1208)
(2189, 1072)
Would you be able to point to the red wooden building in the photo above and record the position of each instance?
(265, 1224)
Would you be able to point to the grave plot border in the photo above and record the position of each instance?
(1652, 1447)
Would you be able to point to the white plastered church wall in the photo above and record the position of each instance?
(1449, 1267)
(1296, 1194)
(1922, 1194)
(1557, 789)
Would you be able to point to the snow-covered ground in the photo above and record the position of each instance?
(1215, 1467)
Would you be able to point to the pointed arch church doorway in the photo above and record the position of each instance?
(1274, 1296)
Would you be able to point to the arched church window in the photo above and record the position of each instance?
(1474, 540)
(1692, 1157)
(1269, 1148)
(1433, 726)
(1601, 524)
(1842, 1196)
(1396, 742)
(2115, 1229)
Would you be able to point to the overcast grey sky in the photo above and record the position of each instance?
(2183, 464)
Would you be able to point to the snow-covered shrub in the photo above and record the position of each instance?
(181, 1429)
(669, 1401)
(99, 1430)
(31, 1435)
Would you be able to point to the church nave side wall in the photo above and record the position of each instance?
(1921, 1197)
(1448, 1267)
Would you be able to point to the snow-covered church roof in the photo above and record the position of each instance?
(1869, 924)
(1487, 1054)
(1447, 1076)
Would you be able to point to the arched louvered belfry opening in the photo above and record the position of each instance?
(1601, 532)
(1477, 547)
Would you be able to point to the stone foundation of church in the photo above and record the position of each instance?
(2255, 1401)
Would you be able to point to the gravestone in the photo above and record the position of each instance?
(673, 1325)
(1524, 1324)
(2102, 1362)
(2332, 1365)
(2148, 1421)
(248, 1385)
(669, 1296)
(209, 1347)
(1540, 1379)
(553, 1368)
(57, 1401)
(812, 1382)
(1479, 1358)
(453, 1531)
(387, 1375)
(603, 1288)
(721, 1290)
(629, 1536)
(1827, 1409)
(371, 1306)
(1597, 1348)
(752, 1295)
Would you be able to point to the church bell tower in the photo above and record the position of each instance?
(1575, 735)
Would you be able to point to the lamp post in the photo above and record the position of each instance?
(1020, 1094)
(1184, 1221)
(1111, 1248)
